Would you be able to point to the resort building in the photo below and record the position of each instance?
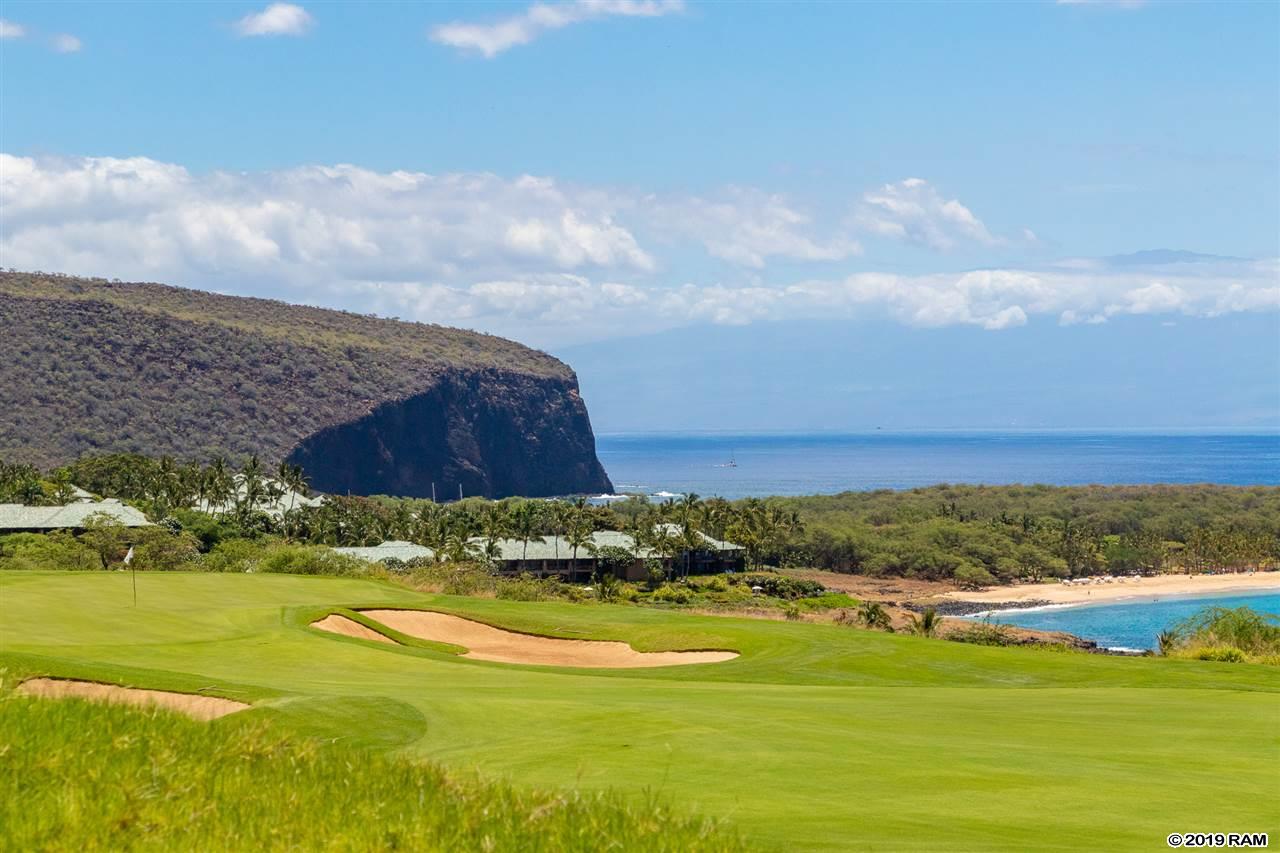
(554, 556)
(392, 549)
(20, 518)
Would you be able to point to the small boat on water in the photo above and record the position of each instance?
(732, 463)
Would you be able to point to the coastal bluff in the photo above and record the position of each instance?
(365, 405)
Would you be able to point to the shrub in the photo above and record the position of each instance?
(983, 634)
(57, 550)
(158, 549)
(972, 577)
(779, 586)
(607, 586)
(310, 560)
(654, 575)
(673, 594)
(1225, 634)
(234, 555)
(528, 588)
(1221, 654)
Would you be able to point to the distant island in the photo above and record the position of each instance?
(363, 405)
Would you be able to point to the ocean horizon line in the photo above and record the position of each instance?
(1259, 432)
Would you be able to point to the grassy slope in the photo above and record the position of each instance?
(163, 782)
(817, 736)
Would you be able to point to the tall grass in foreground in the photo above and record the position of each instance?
(75, 775)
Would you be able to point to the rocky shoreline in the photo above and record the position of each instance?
(969, 608)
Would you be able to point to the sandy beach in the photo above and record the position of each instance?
(1122, 588)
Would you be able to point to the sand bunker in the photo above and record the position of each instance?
(199, 707)
(335, 624)
(488, 643)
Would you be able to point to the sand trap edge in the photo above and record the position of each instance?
(506, 645)
(336, 623)
(193, 705)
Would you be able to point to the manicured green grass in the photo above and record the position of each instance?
(77, 776)
(818, 736)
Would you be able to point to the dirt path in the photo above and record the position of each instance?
(488, 643)
(199, 707)
(335, 624)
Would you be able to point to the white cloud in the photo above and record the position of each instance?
(145, 218)
(540, 261)
(10, 30)
(66, 43)
(746, 227)
(278, 19)
(491, 39)
(914, 212)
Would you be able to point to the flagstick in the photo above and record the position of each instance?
(134, 572)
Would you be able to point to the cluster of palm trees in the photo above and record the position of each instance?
(672, 532)
(167, 485)
(22, 484)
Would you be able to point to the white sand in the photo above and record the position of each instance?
(485, 642)
(199, 707)
(336, 624)
(1122, 588)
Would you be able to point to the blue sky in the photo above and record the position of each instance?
(572, 173)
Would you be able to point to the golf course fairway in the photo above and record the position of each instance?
(815, 737)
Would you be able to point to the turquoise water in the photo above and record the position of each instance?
(1133, 625)
(830, 463)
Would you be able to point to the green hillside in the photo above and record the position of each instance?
(816, 737)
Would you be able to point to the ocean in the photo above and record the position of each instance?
(1132, 624)
(675, 463)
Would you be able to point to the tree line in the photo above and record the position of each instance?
(972, 534)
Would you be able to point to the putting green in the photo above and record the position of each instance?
(816, 737)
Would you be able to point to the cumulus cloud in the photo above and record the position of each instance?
(66, 43)
(492, 38)
(997, 299)
(544, 262)
(561, 309)
(278, 19)
(748, 227)
(342, 223)
(10, 30)
(915, 212)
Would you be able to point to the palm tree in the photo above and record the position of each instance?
(873, 615)
(578, 535)
(927, 623)
(252, 488)
(494, 525)
(1168, 641)
(218, 485)
(526, 525)
(294, 479)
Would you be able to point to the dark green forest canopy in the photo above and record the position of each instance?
(90, 366)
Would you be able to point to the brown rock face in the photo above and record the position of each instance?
(491, 433)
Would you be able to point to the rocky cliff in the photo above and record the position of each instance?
(365, 405)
